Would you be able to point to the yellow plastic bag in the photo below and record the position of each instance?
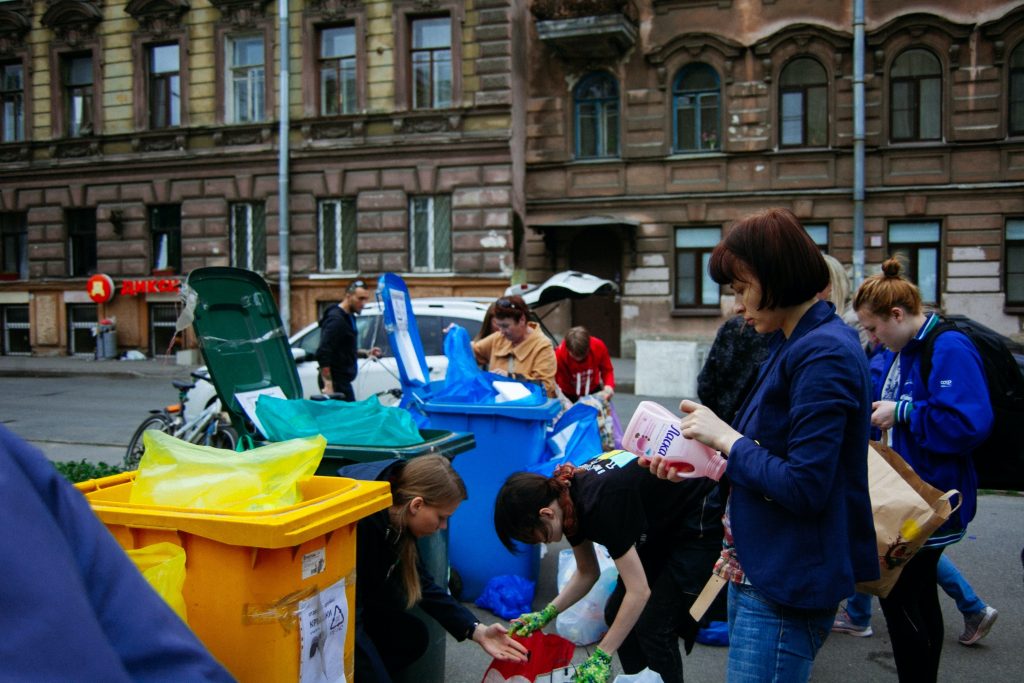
(176, 473)
(163, 565)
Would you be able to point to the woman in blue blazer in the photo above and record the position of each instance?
(936, 423)
(799, 531)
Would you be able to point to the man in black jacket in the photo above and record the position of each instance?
(339, 350)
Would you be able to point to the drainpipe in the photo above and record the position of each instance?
(858, 143)
(284, 270)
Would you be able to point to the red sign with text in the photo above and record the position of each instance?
(100, 288)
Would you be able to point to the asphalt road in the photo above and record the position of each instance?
(71, 418)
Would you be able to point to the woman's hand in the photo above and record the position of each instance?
(883, 414)
(495, 641)
(701, 423)
(597, 668)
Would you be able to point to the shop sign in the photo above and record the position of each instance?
(100, 288)
(136, 287)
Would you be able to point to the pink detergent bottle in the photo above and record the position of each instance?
(654, 430)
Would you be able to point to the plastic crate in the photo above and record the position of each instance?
(259, 586)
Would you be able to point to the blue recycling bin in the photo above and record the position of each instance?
(509, 438)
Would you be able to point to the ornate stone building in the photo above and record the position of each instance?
(655, 123)
(140, 140)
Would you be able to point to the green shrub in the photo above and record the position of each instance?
(84, 470)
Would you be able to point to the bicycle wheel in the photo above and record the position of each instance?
(224, 436)
(157, 421)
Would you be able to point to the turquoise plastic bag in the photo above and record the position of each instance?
(363, 423)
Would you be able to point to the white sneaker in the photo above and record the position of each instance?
(977, 625)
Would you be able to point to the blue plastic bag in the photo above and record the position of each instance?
(716, 634)
(508, 596)
(464, 382)
(576, 438)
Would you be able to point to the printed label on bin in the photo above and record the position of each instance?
(314, 563)
(324, 627)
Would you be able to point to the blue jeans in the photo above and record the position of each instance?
(858, 608)
(955, 586)
(770, 642)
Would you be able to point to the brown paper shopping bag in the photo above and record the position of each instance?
(906, 511)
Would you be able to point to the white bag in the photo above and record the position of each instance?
(645, 676)
(583, 623)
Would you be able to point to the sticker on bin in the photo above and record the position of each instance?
(248, 399)
(314, 563)
(323, 621)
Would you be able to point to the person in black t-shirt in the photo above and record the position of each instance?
(339, 349)
(664, 541)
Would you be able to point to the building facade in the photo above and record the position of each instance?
(467, 144)
(141, 140)
(655, 123)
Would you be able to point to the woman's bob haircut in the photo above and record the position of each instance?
(772, 246)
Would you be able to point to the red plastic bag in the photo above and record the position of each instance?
(548, 652)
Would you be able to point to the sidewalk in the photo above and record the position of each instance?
(64, 366)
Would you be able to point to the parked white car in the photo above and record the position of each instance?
(380, 376)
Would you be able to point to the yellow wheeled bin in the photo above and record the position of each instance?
(271, 594)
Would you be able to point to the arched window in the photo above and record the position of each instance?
(596, 100)
(803, 104)
(1017, 91)
(916, 96)
(695, 110)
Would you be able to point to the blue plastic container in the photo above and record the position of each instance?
(509, 439)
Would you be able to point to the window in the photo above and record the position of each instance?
(14, 245)
(1016, 97)
(78, 106)
(916, 98)
(596, 99)
(919, 242)
(164, 86)
(337, 236)
(165, 228)
(81, 226)
(1014, 267)
(249, 236)
(430, 233)
(82, 322)
(696, 118)
(818, 233)
(12, 99)
(694, 286)
(337, 70)
(803, 104)
(163, 319)
(16, 337)
(245, 78)
(431, 55)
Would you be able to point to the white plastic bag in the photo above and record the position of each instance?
(645, 676)
(583, 623)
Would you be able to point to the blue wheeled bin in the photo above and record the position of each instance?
(509, 439)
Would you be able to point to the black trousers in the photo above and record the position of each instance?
(675, 576)
(387, 643)
(914, 619)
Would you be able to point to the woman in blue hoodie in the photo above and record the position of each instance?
(798, 528)
(935, 423)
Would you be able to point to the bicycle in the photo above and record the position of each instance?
(208, 427)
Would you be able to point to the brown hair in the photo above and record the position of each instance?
(511, 307)
(517, 506)
(486, 325)
(884, 291)
(577, 341)
(772, 246)
(432, 478)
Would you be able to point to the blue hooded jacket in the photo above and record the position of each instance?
(941, 423)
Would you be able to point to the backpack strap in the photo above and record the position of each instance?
(925, 360)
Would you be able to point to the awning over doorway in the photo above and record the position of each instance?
(556, 231)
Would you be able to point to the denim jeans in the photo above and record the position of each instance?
(858, 607)
(955, 586)
(770, 642)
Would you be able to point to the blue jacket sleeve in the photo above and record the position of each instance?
(956, 415)
(74, 605)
